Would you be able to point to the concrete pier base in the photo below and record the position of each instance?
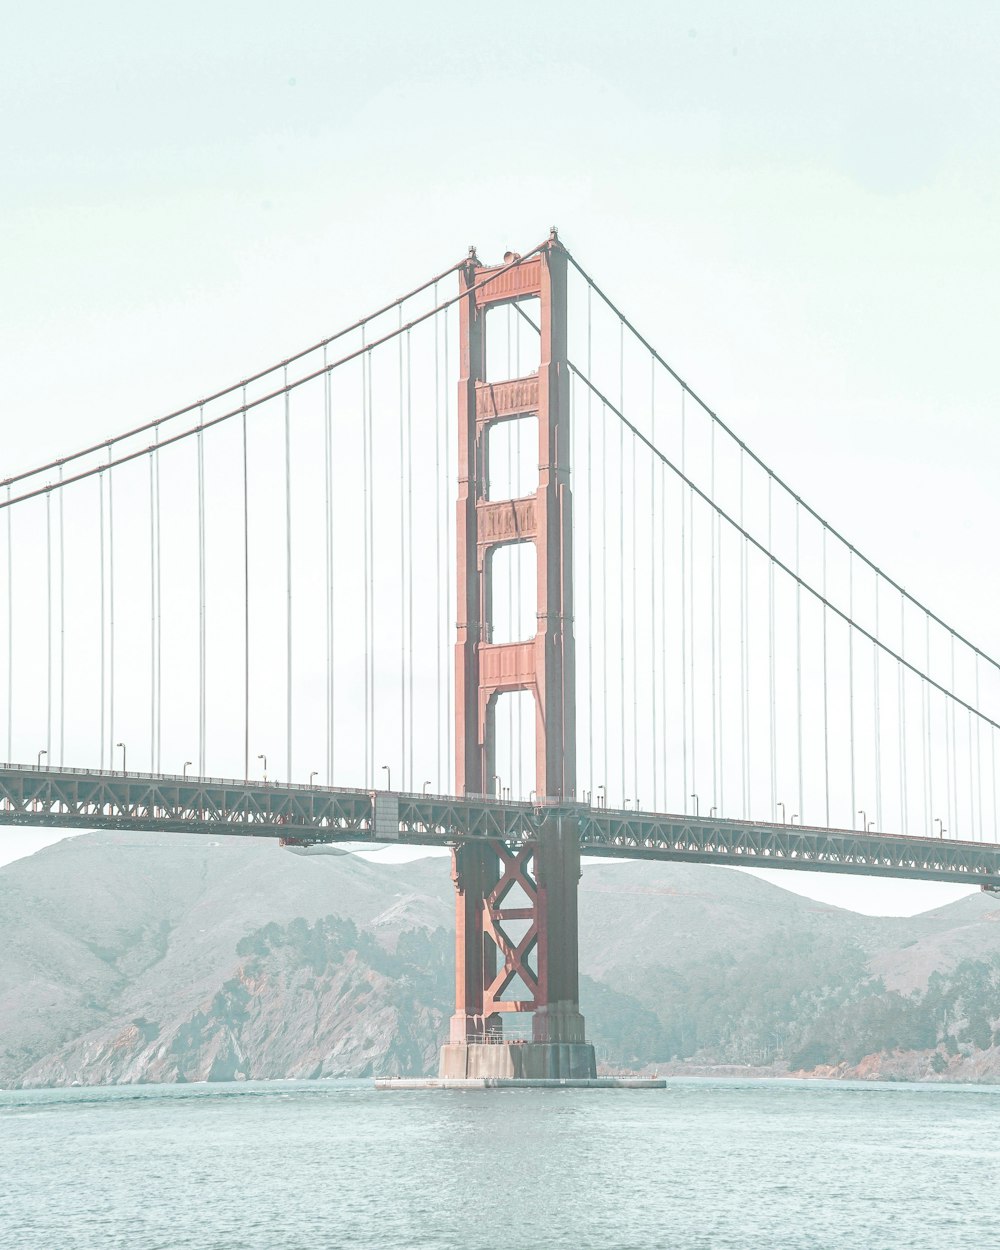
(518, 1061)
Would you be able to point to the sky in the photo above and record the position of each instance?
(796, 203)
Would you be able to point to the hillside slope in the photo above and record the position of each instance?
(141, 957)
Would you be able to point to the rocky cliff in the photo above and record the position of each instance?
(131, 957)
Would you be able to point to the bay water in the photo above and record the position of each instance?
(289, 1165)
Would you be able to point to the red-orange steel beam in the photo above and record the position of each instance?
(542, 665)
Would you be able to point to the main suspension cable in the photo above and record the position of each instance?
(775, 477)
(364, 350)
(244, 383)
(776, 563)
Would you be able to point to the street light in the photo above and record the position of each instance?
(864, 817)
(602, 798)
(122, 745)
(39, 760)
(494, 780)
(187, 765)
(426, 784)
(388, 776)
(314, 773)
(795, 817)
(264, 758)
(942, 831)
(695, 797)
(712, 812)
(782, 806)
(870, 826)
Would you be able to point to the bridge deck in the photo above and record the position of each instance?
(90, 799)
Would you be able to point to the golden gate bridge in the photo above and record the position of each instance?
(561, 603)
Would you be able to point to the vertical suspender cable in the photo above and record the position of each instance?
(624, 554)
(159, 610)
(903, 786)
(201, 597)
(771, 641)
(720, 617)
(928, 726)
(402, 556)
(634, 564)
(693, 648)
(409, 560)
(972, 785)
(366, 587)
(449, 515)
(953, 736)
(878, 718)
(246, 596)
(744, 717)
(945, 711)
(652, 576)
(288, 581)
(48, 644)
(111, 612)
(62, 625)
(826, 699)
(591, 690)
(684, 611)
(979, 755)
(605, 596)
(10, 632)
(850, 681)
(152, 615)
(663, 628)
(328, 542)
(371, 565)
(103, 614)
(798, 658)
(439, 642)
(515, 703)
(712, 575)
(508, 766)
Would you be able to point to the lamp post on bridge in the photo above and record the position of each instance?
(602, 798)
(264, 758)
(187, 765)
(696, 812)
(782, 806)
(314, 773)
(941, 829)
(38, 762)
(388, 776)
(426, 784)
(864, 817)
(122, 745)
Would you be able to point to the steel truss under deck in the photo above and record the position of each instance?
(302, 815)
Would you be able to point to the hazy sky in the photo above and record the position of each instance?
(796, 203)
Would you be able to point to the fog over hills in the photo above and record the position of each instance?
(132, 957)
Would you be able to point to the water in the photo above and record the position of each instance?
(323, 1165)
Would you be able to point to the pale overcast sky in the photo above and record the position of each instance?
(797, 203)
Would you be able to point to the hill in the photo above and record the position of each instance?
(141, 957)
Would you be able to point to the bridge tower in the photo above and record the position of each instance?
(528, 945)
